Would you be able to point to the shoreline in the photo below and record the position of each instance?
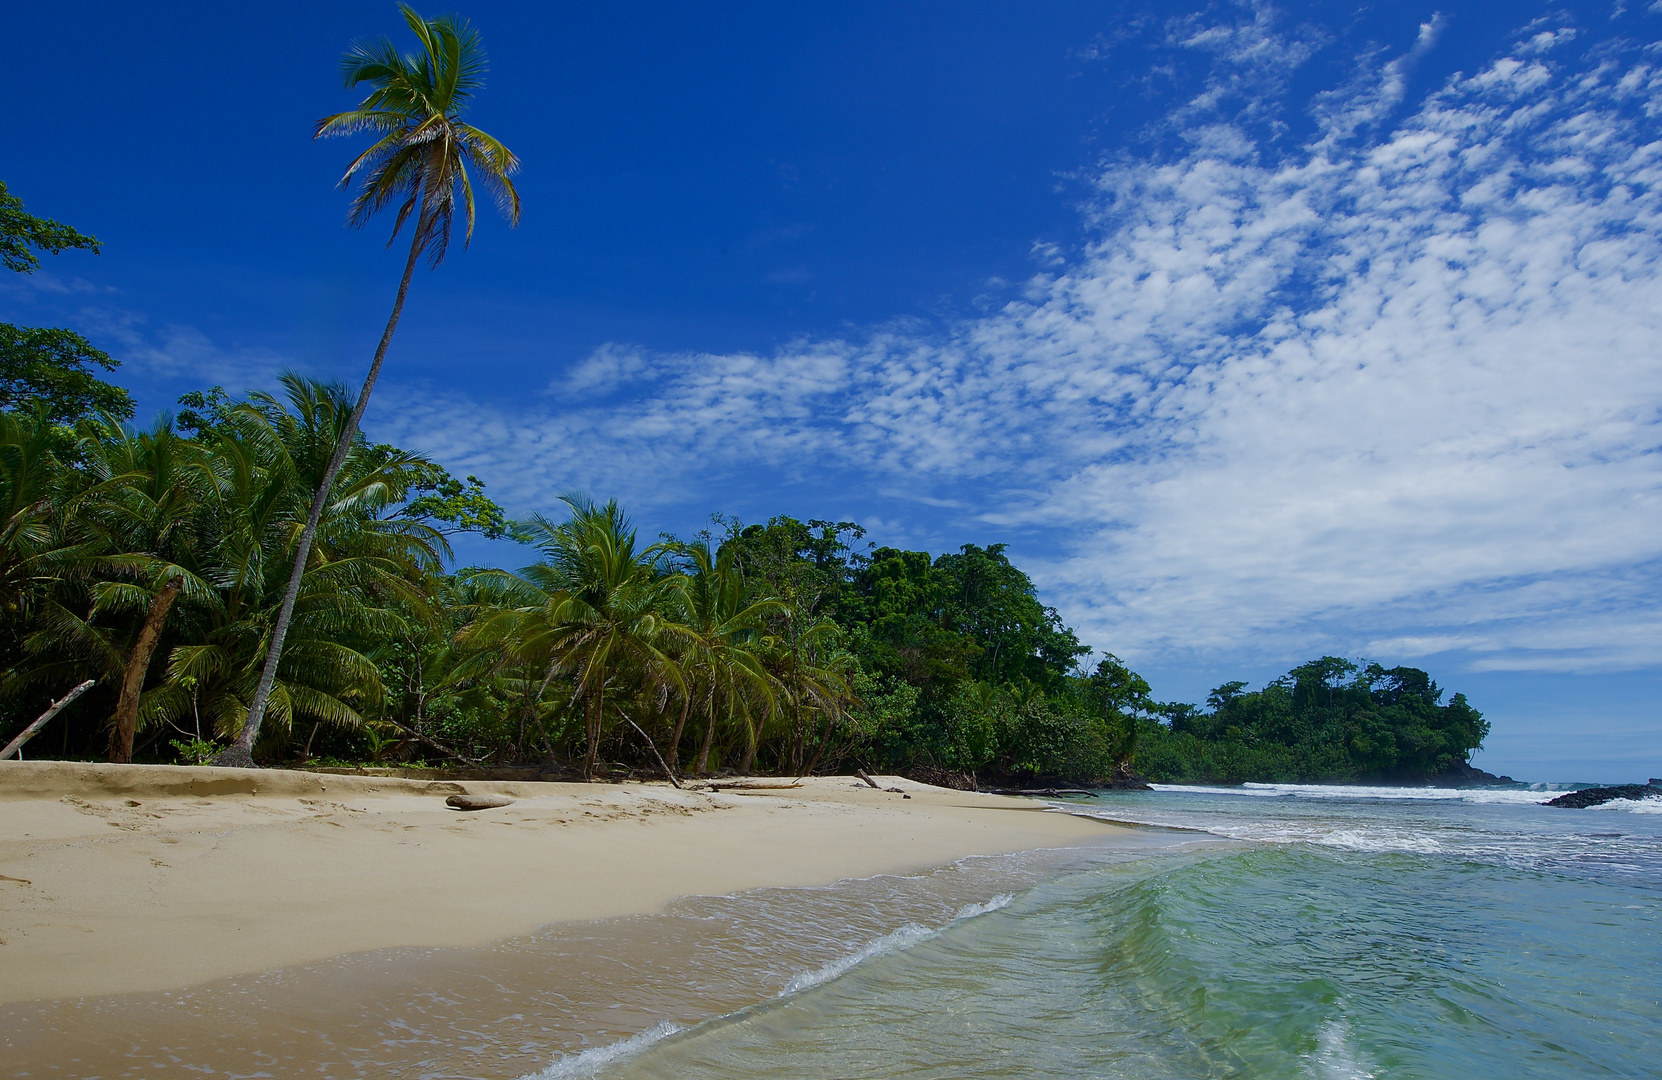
(133, 879)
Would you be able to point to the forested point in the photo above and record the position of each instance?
(152, 561)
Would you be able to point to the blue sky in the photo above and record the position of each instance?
(1257, 331)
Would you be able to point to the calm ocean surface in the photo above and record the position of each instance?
(1304, 932)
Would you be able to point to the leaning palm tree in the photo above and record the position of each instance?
(420, 162)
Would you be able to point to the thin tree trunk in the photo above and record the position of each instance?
(752, 737)
(241, 753)
(138, 665)
(824, 743)
(702, 765)
(594, 725)
(675, 736)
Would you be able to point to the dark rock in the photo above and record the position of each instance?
(1462, 774)
(1597, 796)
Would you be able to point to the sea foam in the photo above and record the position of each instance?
(895, 940)
(589, 1062)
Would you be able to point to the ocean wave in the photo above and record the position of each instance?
(1519, 796)
(1378, 840)
(589, 1062)
(1281, 832)
(895, 940)
(906, 936)
(1650, 805)
(970, 911)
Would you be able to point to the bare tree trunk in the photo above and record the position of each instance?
(241, 753)
(138, 665)
(16, 745)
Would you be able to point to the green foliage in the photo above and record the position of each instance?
(424, 157)
(194, 751)
(1326, 720)
(22, 234)
(53, 367)
(462, 507)
(47, 367)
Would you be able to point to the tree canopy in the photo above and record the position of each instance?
(1326, 720)
(45, 368)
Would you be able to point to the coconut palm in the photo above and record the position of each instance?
(363, 571)
(595, 616)
(722, 621)
(33, 510)
(420, 161)
(142, 511)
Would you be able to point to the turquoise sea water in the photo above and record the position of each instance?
(1308, 932)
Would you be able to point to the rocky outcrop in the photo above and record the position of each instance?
(1461, 774)
(1597, 796)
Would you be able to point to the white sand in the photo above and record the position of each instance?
(125, 878)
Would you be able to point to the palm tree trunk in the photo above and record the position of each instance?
(675, 736)
(138, 665)
(751, 736)
(595, 720)
(702, 765)
(240, 754)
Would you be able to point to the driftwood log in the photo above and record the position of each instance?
(741, 785)
(477, 802)
(16, 745)
(1048, 792)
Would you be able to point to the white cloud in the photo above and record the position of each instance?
(156, 360)
(1399, 390)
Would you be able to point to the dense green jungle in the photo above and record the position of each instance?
(153, 559)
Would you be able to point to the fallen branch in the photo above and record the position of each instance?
(1049, 792)
(16, 745)
(440, 747)
(861, 773)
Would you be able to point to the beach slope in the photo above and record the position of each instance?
(138, 878)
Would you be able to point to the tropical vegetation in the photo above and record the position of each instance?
(155, 561)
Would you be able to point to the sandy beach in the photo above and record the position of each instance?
(122, 879)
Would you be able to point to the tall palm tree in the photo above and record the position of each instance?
(420, 161)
